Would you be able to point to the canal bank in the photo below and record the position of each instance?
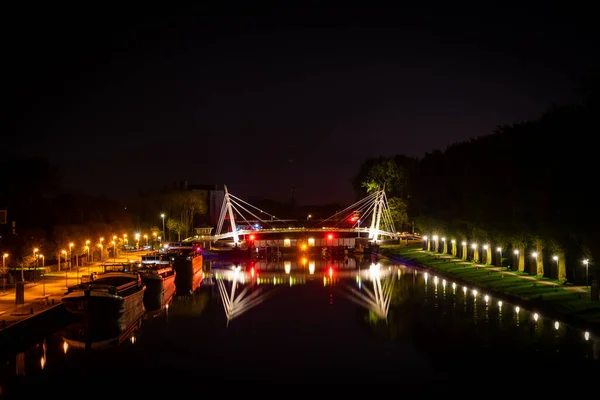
(572, 304)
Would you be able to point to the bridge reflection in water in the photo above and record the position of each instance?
(256, 278)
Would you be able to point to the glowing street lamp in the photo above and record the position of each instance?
(499, 250)
(586, 262)
(4, 257)
(88, 256)
(163, 222)
(44, 273)
(64, 253)
(70, 256)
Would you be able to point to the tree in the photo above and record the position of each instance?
(398, 212)
(176, 226)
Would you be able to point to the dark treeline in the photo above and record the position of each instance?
(41, 216)
(527, 187)
(49, 219)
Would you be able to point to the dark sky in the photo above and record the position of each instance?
(265, 99)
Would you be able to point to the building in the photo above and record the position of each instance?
(214, 196)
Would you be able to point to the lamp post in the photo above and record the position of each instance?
(87, 247)
(163, 221)
(114, 247)
(4, 256)
(586, 262)
(101, 249)
(88, 254)
(499, 250)
(35, 251)
(64, 252)
(44, 274)
(70, 255)
(358, 226)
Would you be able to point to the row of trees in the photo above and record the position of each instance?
(182, 209)
(528, 185)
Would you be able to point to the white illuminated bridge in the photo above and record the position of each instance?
(244, 219)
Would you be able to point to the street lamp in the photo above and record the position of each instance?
(499, 250)
(146, 237)
(586, 262)
(88, 254)
(137, 240)
(44, 273)
(101, 251)
(114, 251)
(163, 221)
(87, 246)
(36, 261)
(70, 255)
(64, 252)
(4, 256)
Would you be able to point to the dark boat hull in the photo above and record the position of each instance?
(159, 290)
(188, 275)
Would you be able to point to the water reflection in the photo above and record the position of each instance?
(376, 300)
(249, 297)
(444, 320)
(85, 336)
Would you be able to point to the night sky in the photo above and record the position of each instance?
(296, 97)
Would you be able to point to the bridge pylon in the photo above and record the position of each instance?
(234, 233)
(376, 216)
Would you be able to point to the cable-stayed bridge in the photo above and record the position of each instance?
(369, 218)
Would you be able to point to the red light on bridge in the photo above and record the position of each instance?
(251, 237)
(330, 236)
(353, 219)
(330, 272)
(252, 272)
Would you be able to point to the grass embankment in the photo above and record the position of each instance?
(542, 293)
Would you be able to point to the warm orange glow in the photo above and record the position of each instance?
(251, 237)
(252, 272)
(330, 272)
(330, 236)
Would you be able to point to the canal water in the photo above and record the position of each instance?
(305, 322)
